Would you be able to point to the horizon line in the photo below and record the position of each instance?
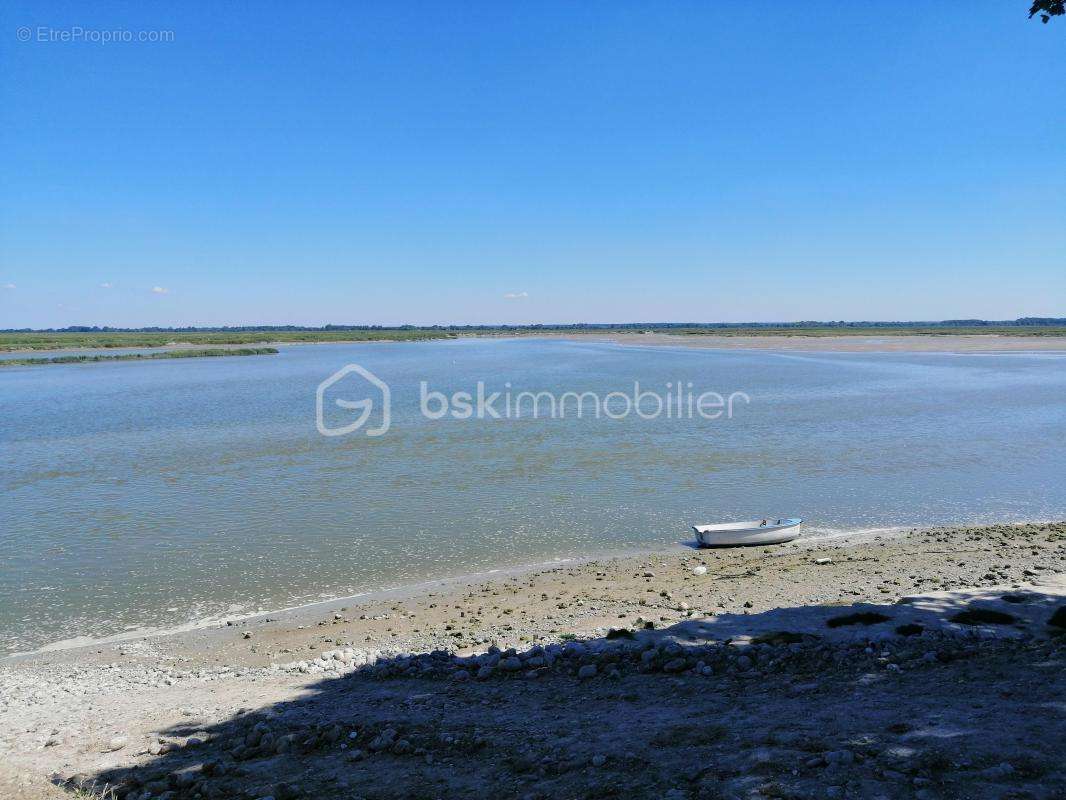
(973, 322)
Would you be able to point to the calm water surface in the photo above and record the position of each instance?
(156, 493)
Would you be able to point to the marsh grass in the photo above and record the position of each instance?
(57, 340)
(89, 359)
(63, 340)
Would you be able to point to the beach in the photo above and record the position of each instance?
(870, 343)
(588, 679)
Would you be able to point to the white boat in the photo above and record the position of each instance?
(751, 532)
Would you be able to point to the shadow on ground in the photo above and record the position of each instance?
(791, 705)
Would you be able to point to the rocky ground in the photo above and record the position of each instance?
(925, 665)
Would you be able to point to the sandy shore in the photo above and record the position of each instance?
(904, 343)
(734, 682)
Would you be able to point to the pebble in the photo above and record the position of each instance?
(587, 671)
(699, 570)
(116, 743)
(842, 757)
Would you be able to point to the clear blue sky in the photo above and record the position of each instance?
(398, 162)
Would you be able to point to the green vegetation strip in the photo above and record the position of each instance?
(12, 340)
(62, 340)
(86, 359)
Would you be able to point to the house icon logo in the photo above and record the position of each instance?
(364, 406)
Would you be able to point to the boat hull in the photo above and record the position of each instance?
(747, 535)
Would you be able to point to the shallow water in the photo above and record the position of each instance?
(155, 493)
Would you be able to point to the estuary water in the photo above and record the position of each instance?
(155, 494)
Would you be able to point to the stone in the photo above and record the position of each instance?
(587, 671)
(116, 743)
(842, 757)
(383, 740)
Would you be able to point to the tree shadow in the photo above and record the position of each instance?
(782, 703)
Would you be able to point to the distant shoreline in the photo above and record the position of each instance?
(864, 343)
(165, 354)
(815, 340)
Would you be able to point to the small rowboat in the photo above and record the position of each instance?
(752, 532)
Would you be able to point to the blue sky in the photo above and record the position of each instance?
(488, 162)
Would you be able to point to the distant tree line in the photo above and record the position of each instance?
(596, 326)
